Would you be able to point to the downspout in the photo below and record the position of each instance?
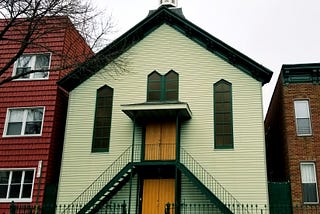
(132, 159)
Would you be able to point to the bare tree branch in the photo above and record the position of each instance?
(26, 24)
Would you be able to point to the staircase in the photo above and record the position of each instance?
(218, 195)
(105, 186)
(125, 167)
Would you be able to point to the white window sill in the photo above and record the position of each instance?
(24, 200)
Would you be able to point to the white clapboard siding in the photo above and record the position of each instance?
(241, 170)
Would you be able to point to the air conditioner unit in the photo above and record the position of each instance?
(169, 2)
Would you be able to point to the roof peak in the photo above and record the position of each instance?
(169, 3)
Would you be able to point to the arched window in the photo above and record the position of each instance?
(102, 120)
(163, 88)
(223, 125)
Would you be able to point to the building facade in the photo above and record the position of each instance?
(293, 132)
(183, 125)
(33, 109)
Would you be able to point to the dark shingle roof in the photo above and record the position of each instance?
(151, 22)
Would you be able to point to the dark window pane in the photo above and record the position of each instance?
(14, 128)
(154, 96)
(28, 177)
(154, 86)
(23, 70)
(172, 95)
(309, 192)
(102, 124)
(16, 177)
(26, 191)
(33, 128)
(14, 191)
(223, 115)
(4, 177)
(3, 191)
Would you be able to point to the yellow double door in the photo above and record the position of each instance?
(160, 141)
(156, 194)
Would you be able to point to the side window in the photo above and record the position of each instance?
(309, 182)
(171, 86)
(102, 121)
(163, 88)
(223, 125)
(17, 185)
(32, 62)
(24, 122)
(302, 116)
(154, 87)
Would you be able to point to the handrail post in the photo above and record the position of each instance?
(167, 209)
(12, 208)
(124, 208)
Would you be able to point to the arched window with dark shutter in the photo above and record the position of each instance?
(223, 125)
(102, 120)
(163, 87)
(154, 86)
(171, 86)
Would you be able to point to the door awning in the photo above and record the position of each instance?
(143, 112)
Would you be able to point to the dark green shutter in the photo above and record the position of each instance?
(102, 121)
(223, 124)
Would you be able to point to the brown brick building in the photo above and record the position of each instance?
(292, 128)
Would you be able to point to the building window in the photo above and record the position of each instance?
(223, 126)
(102, 122)
(302, 114)
(163, 88)
(16, 185)
(32, 62)
(309, 182)
(24, 121)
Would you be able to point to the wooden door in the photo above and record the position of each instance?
(156, 194)
(160, 141)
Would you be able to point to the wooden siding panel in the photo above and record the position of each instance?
(190, 193)
(26, 151)
(241, 170)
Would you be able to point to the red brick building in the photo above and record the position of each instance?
(33, 109)
(293, 132)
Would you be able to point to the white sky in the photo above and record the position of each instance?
(271, 32)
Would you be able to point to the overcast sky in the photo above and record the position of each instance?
(271, 32)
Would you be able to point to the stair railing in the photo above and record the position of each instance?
(106, 176)
(210, 182)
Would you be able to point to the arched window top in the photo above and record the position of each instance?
(154, 76)
(163, 87)
(104, 90)
(171, 74)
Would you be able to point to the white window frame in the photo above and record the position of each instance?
(7, 199)
(315, 179)
(25, 114)
(297, 116)
(32, 67)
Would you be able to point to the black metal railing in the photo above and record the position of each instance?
(242, 209)
(126, 157)
(110, 208)
(153, 152)
(209, 181)
(121, 208)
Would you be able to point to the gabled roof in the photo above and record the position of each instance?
(301, 73)
(142, 29)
